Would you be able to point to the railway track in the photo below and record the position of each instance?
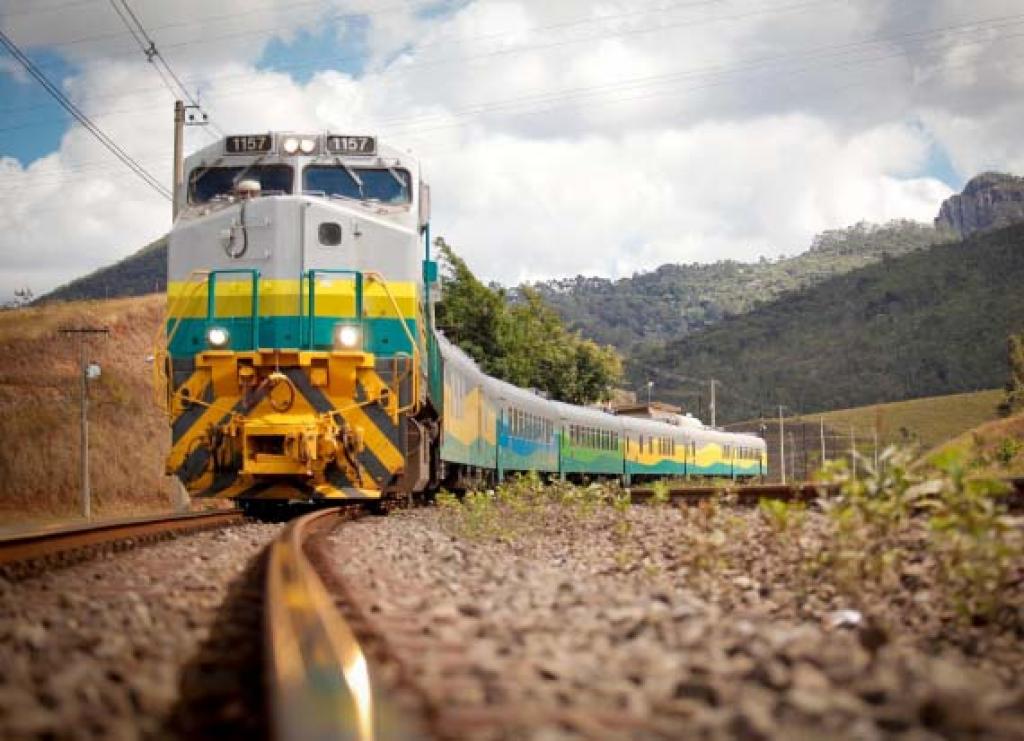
(804, 491)
(317, 678)
(320, 682)
(63, 542)
(745, 493)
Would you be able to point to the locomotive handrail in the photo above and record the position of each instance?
(160, 353)
(378, 278)
(211, 299)
(311, 298)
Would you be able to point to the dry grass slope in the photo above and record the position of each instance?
(39, 457)
(996, 447)
(926, 422)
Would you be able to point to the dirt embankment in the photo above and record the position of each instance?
(39, 411)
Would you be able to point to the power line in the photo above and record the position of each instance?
(562, 97)
(439, 42)
(816, 52)
(153, 55)
(714, 75)
(49, 8)
(91, 127)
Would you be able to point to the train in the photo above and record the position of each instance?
(300, 364)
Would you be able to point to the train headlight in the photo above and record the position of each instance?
(217, 337)
(348, 336)
(307, 146)
(290, 145)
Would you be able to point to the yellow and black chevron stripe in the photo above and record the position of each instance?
(290, 424)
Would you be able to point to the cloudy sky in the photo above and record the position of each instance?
(561, 138)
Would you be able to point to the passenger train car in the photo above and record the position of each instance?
(492, 428)
(300, 363)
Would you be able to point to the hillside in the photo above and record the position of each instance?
(138, 274)
(675, 300)
(993, 448)
(924, 422)
(919, 424)
(926, 323)
(39, 458)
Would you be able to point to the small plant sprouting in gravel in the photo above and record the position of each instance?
(660, 493)
(782, 517)
(621, 501)
(869, 520)
(977, 547)
(523, 504)
(879, 533)
(1008, 449)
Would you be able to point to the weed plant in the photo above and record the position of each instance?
(891, 527)
(939, 542)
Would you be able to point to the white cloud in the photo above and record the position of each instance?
(611, 205)
(561, 138)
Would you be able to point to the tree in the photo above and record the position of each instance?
(470, 312)
(1014, 399)
(519, 338)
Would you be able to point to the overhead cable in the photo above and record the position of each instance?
(83, 119)
(153, 55)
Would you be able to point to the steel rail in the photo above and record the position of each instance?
(318, 678)
(37, 544)
(806, 491)
(750, 493)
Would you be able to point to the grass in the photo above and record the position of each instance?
(925, 422)
(932, 547)
(994, 448)
(39, 408)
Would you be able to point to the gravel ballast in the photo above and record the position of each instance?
(630, 625)
(157, 641)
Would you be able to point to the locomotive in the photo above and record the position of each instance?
(300, 362)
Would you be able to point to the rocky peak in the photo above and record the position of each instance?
(989, 201)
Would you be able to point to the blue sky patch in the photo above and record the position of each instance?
(940, 166)
(339, 45)
(31, 122)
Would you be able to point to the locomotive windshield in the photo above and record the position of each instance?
(206, 183)
(383, 184)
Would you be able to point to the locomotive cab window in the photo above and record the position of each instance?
(207, 183)
(388, 185)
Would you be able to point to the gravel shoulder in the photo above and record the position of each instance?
(154, 642)
(650, 623)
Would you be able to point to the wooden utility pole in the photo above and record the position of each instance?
(179, 165)
(782, 446)
(803, 450)
(85, 371)
(821, 420)
(713, 382)
(853, 452)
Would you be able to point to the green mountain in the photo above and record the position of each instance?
(675, 300)
(925, 323)
(140, 273)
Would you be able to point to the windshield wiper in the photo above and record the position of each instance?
(398, 179)
(352, 174)
(238, 178)
(197, 174)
